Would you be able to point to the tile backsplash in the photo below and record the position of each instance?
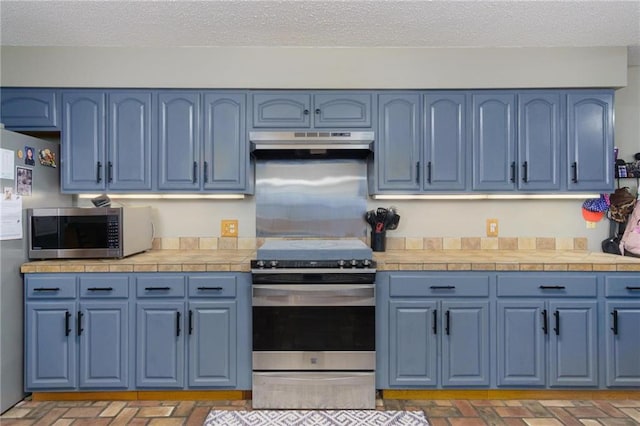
(393, 243)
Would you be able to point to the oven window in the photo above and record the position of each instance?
(69, 232)
(314, 328)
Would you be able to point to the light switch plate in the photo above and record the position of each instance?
(229, 228)
(492, 227)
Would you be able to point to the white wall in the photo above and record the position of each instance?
(353, 68)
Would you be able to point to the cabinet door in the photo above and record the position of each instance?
(521, 343)
(160, 344)
(539, 141)
(129, 136)
(573, 358)
(398, 143)
(445, 141)
(623, 343)
(212, 344)
(179, 140)
(413, 344)
(83, 141)
(29, 109)
(341, 110)
(50, 347)
(590, 141)
(282, 110)
(493, 141)
(104, 345)
(465, 343)
(225, 144)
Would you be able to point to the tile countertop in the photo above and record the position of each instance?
(392, 260)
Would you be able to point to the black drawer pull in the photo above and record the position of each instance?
(190, 322)
(100, 289)
(545, 324)
(195, 172)
(98, 172)
(442, 287)
(552, 287)
(525, 172)
(574, 169)
(448, 322)
(110, 171)
(67, 329)
(39, 289)
(157, 288)
(206, 172)
(80, 314)
(557, 328)
(178, 324)
(615, 322)
(209, 288)
(435, 321)
(429, 172)
(513, 172)
(633, 288)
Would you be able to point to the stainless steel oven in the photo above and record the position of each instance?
(314, 333)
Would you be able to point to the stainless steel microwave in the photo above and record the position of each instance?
(104, 232)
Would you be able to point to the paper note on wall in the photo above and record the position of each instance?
(10, 216)
(6, 164)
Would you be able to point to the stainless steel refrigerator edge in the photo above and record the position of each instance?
(45, 193)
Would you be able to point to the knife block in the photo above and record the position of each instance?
(378, 240)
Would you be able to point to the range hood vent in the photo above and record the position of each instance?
(312, 142)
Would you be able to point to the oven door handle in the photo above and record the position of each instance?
(323, 290)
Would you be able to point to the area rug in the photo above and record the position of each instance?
(315, 417)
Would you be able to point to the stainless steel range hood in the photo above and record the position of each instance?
(314, 141)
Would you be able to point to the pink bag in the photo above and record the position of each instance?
(630, 242)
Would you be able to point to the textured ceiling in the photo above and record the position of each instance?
(382, 23)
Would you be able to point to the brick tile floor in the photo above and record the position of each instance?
(439, 412)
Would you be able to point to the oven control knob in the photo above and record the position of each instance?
(273, 263)
(354, 263)
(366, 263)
(260, 263)
(341, 263)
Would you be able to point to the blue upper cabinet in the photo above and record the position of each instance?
(29, 109)
(445, 143)
(225, 141)
(493, 141)
(83, 141)
(312, 110)
(129, 141)
(590, 141)
(539, 145)
(397, 159)
(179, 141)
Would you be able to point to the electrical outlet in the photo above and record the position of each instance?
(229, 228)
(492, 227)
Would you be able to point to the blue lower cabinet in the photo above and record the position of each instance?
(212, 344)
(623, 343)
(160, 344)
(50, 346)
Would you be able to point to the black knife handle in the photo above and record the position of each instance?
(615, 322)
(178, 315)
(40, 289)
(447, 323)
(210, 288)
(100, 289)
(525, 172)
(574, 172)
(552, 287)
(157, 288)
(556, 314)
(435, 321)
(79, 331)
(545, 323)
(190, 322)
(67, 328)
(98, 172)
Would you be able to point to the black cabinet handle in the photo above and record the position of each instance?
(79, 331)
(435, 321)
(447, 324)
(210, 288)
(98, 172)
(195, 172)
(615, 322)
(442, 287)
(552, 287)
(545, 325)
(417, 172)
(513, 171)
(317, 111)
(178, 324)
(574, 172)
(556, 314)
(100, 289)
(206, 172)
(190, 322)
(633, 288)
(429, 172)
(525, 172)
(39, 289)
(305, 112)
(110, 171)
(67, 329)
(157, 288)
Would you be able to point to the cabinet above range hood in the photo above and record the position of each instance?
(318, 142)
